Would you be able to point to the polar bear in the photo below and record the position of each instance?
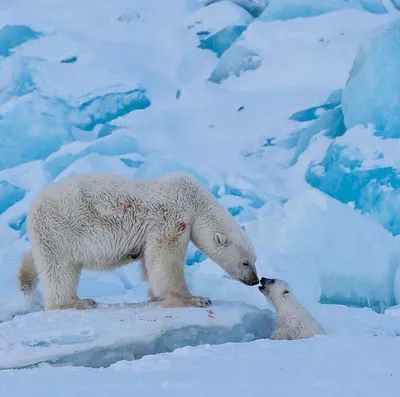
(101, 221)
(294, 321)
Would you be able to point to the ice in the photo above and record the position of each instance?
(363, 169)
(288, 9)
(115, 144)
(396, 3)
(215, 33)
(262, 65)
(371, 93)
(156, 166)
(33, 122)
(12, 36)
(254, 7)
(354, 259)
(9, 195)
(91, 339)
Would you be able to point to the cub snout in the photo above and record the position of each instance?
(266, 281)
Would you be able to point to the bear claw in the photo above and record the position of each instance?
(84, 304)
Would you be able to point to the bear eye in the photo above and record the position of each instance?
(245, 263)
(285, 292)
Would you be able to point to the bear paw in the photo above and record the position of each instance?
(84, 304)
(200, 301)
(175, 300)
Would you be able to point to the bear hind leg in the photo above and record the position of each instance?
(60, 286)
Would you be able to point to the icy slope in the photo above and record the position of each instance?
(111, 333)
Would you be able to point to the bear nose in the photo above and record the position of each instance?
(265, 281)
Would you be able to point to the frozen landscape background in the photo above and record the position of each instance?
(288, 112)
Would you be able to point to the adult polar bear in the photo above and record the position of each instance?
(101, 221)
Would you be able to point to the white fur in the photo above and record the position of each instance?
(294, 321)
(99, 221)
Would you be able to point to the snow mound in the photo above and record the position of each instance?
(100, 337)
(218, 25)
(12, 36)
(371, 94)
(254, 7)
(362, 169)
(262, 56)
(354, 259)
(288, 9)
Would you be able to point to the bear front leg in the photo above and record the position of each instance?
(151, 297)
(164, 263)
(60, 285)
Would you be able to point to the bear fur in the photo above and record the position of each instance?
(101, 221)
(294, 321)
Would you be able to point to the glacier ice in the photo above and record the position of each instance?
(156, 166)
(111, 145)
(105, 108)
(326, 118)
(254, 7)
(371, 94)
(361, 168)
(354, 258)
(12, 36)
(32, 129)
(288, 9)
(236, 60)
(9, 195)
(219, 25)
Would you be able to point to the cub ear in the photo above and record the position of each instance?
(243, 227)
(221, 239)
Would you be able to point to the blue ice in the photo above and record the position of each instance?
(9, 195)
(103, 109)
(32, 130)
(372, 92)
(327, 118)
(373, 191)
(284, 10)
(12, 36)
(111, 145)
(155, 167)
(218, 35)
(396, 3)
(236, 60)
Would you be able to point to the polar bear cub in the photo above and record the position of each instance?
(294, 321)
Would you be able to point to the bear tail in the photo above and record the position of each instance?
(27, 275)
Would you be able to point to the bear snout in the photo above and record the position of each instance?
(266, 281)
(251, 281)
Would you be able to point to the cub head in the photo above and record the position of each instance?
(275, 290)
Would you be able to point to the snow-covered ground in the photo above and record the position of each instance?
(287, 111)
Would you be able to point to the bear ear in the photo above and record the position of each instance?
(221, 239)
(243, 227)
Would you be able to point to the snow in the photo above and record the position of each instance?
(91, 340)
(375, 100)
(288, 9)
(287, 112)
